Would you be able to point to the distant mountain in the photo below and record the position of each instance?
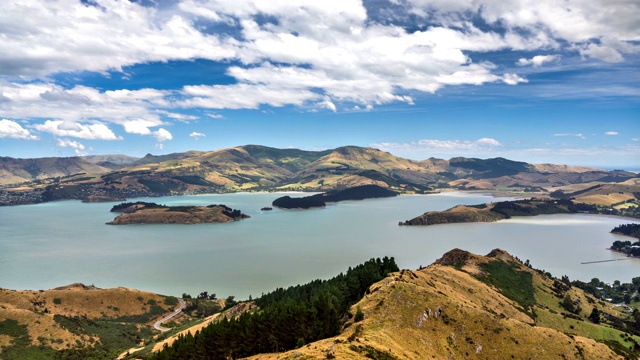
(110, 161)
(21, 170)
(255, 167)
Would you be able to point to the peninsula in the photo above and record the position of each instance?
(319, 200)
(152, 213)
(502, 210)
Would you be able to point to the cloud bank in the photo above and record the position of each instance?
(314, 55)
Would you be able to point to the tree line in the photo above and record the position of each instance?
(286, 319)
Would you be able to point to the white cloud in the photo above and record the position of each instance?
(537, 60)
(583, 23)
(242, 96)
(78, 147)
(178, 116)
(139, 126)
(84, 112)
(603, 53)
(11, 129)
(215, 116)
(327, 104)
(285, 53)
(459, 144)
(162, 135)
(581, 136)
(197, 135)
(45, 37)
(96, 131)
(423, 149)
(612, 133)
(488, 142)
(513, 79)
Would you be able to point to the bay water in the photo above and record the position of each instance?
(53, 244)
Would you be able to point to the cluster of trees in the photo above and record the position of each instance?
(233, 213)
(126, 205)
(626, 247)
(632, 230)
(286, 319)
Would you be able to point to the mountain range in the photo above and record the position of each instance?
(254, 167)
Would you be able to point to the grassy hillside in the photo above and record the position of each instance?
(468, 306)
(23, 170)
(77, 321)
(462, 306)
(506, 209)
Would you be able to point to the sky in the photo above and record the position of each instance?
(542, 81)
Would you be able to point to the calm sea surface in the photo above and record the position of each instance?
(53, 244)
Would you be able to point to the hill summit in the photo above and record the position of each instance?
(467, 306)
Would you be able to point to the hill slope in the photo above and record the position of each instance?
(22, 170)
(76, 321)
(470, 306)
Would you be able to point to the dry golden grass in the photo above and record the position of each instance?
(604, 200)
(28, 307)
(551, 168)
(476, 321)
(606, 194)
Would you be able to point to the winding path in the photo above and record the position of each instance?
(168, 317)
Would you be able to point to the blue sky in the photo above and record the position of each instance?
(522, 79)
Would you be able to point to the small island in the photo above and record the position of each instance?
(152, 213)
(501, 210)
(321, 200)
(627, 247)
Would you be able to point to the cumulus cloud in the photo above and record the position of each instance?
(513, 79)
(327, 104)
(197, 135)
(323, 54)
(83, 131)
(45, 37)
(139, 126)
(612, 133)
(11, 129)
(544, 23)
(537, 60)
(76, 146)
(162, 135)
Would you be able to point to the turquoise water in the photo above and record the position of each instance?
(53, 244)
